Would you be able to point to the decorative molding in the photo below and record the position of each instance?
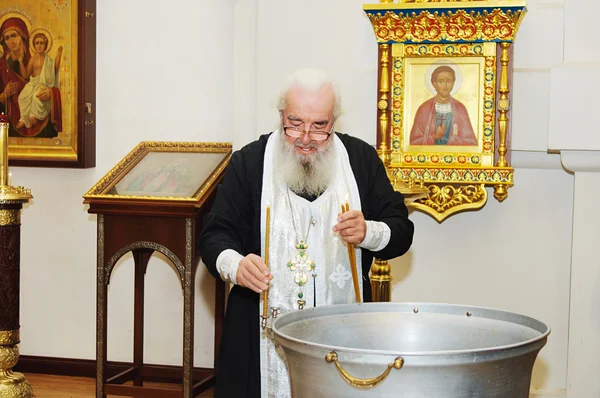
(428, 23)
(108, 268)
(581, 161)
(535, 160)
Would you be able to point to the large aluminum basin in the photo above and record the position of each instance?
(411, 350)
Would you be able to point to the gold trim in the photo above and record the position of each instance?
(31, 152)
(10, 217)
(445, 200)
(503, 105)
(383, 105)
(363, 383)
(10, 337)
(409, 5)
(14, 194)
(445, 24)
(449, 174)
(98, 191)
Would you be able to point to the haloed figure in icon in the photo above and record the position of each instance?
(43, 73)
(442, 120)
(29, 89)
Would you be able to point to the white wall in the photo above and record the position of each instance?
(172, 78)
(160, 76)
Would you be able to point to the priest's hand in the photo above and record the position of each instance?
(253, 273)
(351, 226)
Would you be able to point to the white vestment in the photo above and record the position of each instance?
(29, 104)
(333, 283)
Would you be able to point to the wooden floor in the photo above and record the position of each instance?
(47, 386)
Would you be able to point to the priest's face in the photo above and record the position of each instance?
(306, 162)
(307, 117)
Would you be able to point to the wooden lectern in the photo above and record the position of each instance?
(155, 200)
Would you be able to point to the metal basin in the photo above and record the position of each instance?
(409, 350)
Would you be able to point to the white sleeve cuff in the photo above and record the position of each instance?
(227, 264)
(377, 237)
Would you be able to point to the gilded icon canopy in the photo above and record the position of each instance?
(444, 99)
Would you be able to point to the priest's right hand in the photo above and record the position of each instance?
(253, 273)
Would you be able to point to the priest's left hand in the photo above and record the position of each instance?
(351, 226)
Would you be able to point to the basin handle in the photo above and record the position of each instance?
(363, 383)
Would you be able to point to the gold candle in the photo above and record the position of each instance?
(3, 149)
(266, 292)
(352, 257)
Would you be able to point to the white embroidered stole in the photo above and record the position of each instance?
(333, 283)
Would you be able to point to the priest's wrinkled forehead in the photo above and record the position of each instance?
(309, 100)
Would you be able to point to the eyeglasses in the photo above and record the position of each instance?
(299, 131)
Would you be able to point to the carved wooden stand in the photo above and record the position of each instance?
(143, 229)
(12, 384)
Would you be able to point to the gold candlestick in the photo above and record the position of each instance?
(3, 149)
(12, 384)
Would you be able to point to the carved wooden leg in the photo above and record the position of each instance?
(101, 312)
(188, 316)
(140, 258)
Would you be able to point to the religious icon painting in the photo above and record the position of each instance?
(443, 99)
(441, 111)
(162, 171)
(47, 81)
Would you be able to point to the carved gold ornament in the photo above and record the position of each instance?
(9, 337)
(451, 21)
(10, 217)
(12, 384)
(445, 200)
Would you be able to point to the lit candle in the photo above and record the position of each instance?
(3, 149)
(9, 179)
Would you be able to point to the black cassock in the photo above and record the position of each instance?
(234, 223)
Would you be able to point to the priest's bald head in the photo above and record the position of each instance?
(309, 104)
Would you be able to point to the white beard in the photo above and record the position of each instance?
(306, 174)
